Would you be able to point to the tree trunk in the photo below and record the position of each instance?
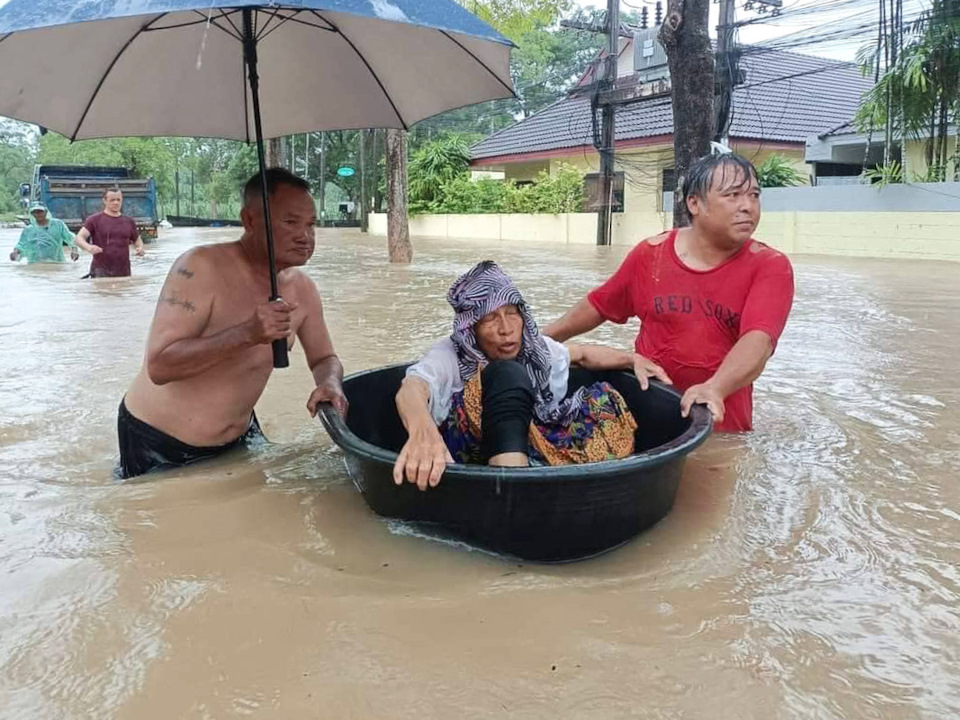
(274, 151)
(377, 155)
(373, 191)
(685, 38)
(364, 226)
(956, 147)
(942, 141)
(398, 228)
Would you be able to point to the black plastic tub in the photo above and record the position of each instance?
(547, 514)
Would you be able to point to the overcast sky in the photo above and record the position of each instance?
(787, 23)
(796, 16)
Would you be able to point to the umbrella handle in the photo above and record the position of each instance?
(280, 357)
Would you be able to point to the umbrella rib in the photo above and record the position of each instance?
(226, 16)
(246, 100)
(225, 30)
(322, 19)
(201, 21)
(293, 19)
(103, 78)
(272, 16)
(5, 37)
(480, 62)
(372, 72)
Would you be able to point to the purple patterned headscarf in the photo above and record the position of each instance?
(482, 290)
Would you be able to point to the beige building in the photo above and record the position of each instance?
(782, 100)
(839, 155)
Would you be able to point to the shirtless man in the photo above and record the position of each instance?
(208, 354)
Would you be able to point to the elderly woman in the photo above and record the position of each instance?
(495, 391)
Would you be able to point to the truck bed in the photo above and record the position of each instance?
(75, 199)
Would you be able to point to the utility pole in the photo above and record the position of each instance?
(727, 60)
(608, 127)
(727, 69)
(606, 96)
(323, 179)
(176, 178)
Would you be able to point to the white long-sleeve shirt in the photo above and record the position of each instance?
(440, 370)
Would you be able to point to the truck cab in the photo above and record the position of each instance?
(74, 192)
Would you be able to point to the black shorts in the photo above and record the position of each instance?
(144, 449)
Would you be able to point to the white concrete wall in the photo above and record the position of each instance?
(908, 235)
(580, 228)
(906, 198)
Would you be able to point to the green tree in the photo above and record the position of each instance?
(226, 183)
(515, 18)
(545, 64)
(17, 157)
(143, 157)
(918, 93)
(433, 166)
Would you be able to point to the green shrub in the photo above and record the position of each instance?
(777, 171)
(465, 196)
(559, 193)
(883, 175)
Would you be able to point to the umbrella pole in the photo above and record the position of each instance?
(280, 359)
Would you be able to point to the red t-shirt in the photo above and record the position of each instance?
(114, 235)
(690, 319)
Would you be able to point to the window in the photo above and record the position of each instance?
(592, 194)
(668, 178)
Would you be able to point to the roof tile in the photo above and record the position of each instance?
(785, 97)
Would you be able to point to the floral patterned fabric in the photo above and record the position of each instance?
(600, 427)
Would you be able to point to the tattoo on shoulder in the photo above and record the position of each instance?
(185, 272)
(174, 301)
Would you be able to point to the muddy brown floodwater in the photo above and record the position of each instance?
(810, 569)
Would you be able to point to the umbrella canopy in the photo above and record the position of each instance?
(109, 68)
(246, 71)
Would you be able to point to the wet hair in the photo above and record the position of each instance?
(701, 174)
(276, 177)
(112, 188)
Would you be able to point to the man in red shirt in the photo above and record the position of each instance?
(108, 236)
(712, 301)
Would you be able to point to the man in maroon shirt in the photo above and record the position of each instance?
(108, 236)
(712, 301)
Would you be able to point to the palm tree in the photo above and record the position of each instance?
(918, 93)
